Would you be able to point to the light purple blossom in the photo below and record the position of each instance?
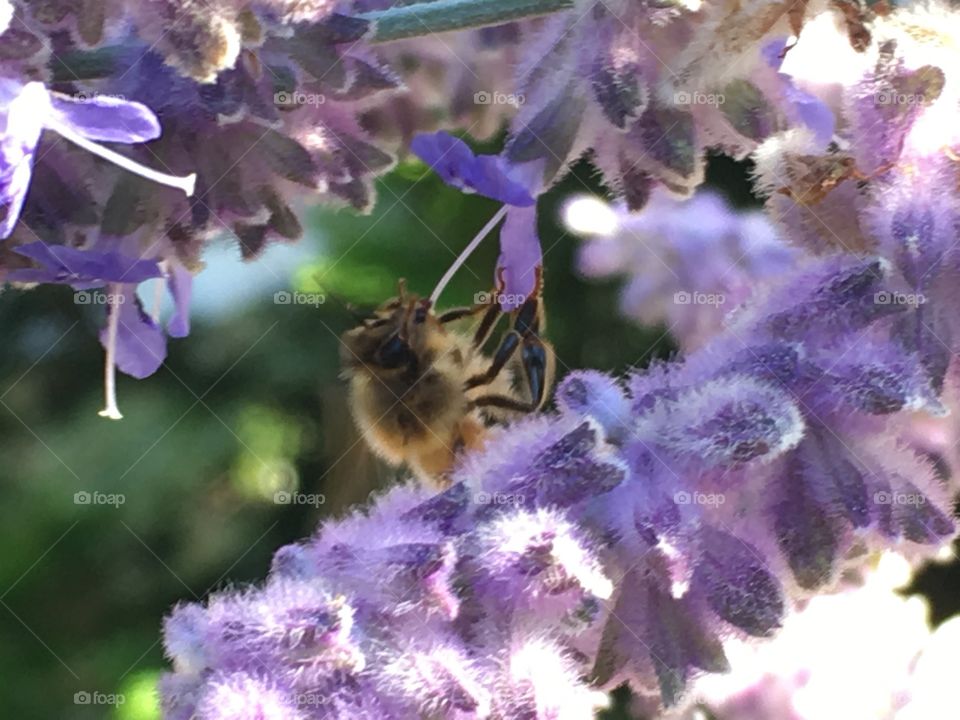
(634, 530)
(689, 264)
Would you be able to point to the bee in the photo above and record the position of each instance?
(813, 177)
(421, 392)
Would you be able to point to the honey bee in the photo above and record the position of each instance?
(813, 177)
(421, 392)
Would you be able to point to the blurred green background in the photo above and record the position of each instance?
(250, 404)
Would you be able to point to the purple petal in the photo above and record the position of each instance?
(809, 110)
(141, 345)
(737, 584)
(490, 180)
(70, 266)
(106, 119)
(14, 192)
(803, 107)
(520, 256)
(772, 52)
(180, 285)
(569, 471)
(805, 531)
(23, 124)
(458, 166)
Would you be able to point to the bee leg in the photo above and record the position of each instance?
(459, 313)
(504, 403)
(525, 332)
(492, 316)
(487, 324)
(537, 359)
(538, 367)
(508, 346)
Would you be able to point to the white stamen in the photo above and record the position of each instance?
(186, 184)
(467, 251)
(110, 370)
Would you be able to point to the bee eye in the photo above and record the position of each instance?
(420, 315)
(395, 353)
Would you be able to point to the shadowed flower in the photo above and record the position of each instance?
(28, 109)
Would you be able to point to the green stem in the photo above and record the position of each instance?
(437, 16)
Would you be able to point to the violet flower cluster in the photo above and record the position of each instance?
(232, 111)
(629, 536)
(621, 540)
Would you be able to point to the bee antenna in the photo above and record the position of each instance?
(356, 313)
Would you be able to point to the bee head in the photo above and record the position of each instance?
(394, 338)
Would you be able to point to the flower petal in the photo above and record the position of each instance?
(25, 110)
(69, 266)
(180, 285)
(141, 345)
(520, 256)
(458, 166)
(106, 119)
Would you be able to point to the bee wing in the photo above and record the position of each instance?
(352, 471)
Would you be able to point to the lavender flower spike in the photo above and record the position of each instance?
(28, 109)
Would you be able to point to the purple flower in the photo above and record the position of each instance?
(134, 342)
(621, 540)
(491, 176)
(30, 108)
(802, 107)
(140, 345)
(81, 269)
(689, 263)
(458, 166)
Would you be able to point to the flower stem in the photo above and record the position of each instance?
(467, 252)
(437, 16)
